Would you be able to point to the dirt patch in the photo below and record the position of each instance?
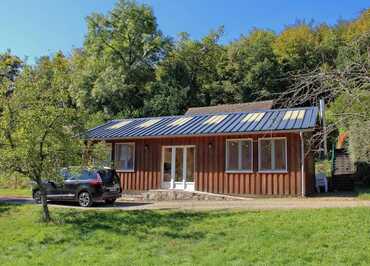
(259, 204)
(251, 204)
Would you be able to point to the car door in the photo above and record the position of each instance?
(70, 187)
(52, 191)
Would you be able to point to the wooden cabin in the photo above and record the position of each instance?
(253, 152)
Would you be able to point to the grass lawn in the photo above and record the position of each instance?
(21, 192)
(295, 237)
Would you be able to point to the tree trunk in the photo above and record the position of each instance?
(45, 209)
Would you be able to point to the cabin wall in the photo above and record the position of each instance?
(210, 173)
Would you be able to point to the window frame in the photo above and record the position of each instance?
(134, 156)
(239, 157)
(109, 146)
(272, 170)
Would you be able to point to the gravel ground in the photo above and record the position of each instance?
(248, 204)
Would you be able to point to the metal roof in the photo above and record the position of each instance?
(272, 120)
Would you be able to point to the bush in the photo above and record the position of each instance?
(323, 166)
(359, 141)
(363, 171)
(13, 180)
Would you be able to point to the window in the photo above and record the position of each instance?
(272, 154)
(86, 175)
(125, 156)
(239, 155)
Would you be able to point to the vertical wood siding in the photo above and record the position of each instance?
(210, 173)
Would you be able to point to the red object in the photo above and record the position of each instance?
(97, 182)
(341, 139)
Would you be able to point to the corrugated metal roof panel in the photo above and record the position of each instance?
(242, 122)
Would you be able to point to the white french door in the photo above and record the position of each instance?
(178, 167)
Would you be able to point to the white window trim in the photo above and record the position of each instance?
(239, 156)
(272, 156)
(134, 158)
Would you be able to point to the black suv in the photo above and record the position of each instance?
(84, 187)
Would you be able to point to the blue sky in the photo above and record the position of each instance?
(41, 27)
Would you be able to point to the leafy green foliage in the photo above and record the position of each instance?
(10, 66)
(252, 67)
(296, 47)
(350, 110)
(323, 166)
(39, 124)
(128, 68)
(359, 144)
(118, 59)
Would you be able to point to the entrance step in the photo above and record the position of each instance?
(174, 194)
(132, 196)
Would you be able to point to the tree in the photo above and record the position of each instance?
(166, 99)
(295, 48)
(346, 90)
(189, 75)
(118, 59)
(252, 68)
(10, 66)
(39, 127)
(358, 27)
(328, 43)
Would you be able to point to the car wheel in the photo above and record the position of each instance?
(84, 199)
(37, 196)
(110, 201)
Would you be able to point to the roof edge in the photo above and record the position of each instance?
(208, 135)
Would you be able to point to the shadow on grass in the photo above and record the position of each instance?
(142, 224)
(5, 208)
(99, 205)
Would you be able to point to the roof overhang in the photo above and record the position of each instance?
(208, 135)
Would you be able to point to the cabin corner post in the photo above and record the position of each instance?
(302, 165)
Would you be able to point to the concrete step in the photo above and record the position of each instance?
(173, 194)
(132, 196)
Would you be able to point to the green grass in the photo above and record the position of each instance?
(295, 237)
(21, 192)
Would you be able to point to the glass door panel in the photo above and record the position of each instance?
(167, 164)
(190, 167)
(179, 164)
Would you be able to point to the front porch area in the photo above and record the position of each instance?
(177, 195)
